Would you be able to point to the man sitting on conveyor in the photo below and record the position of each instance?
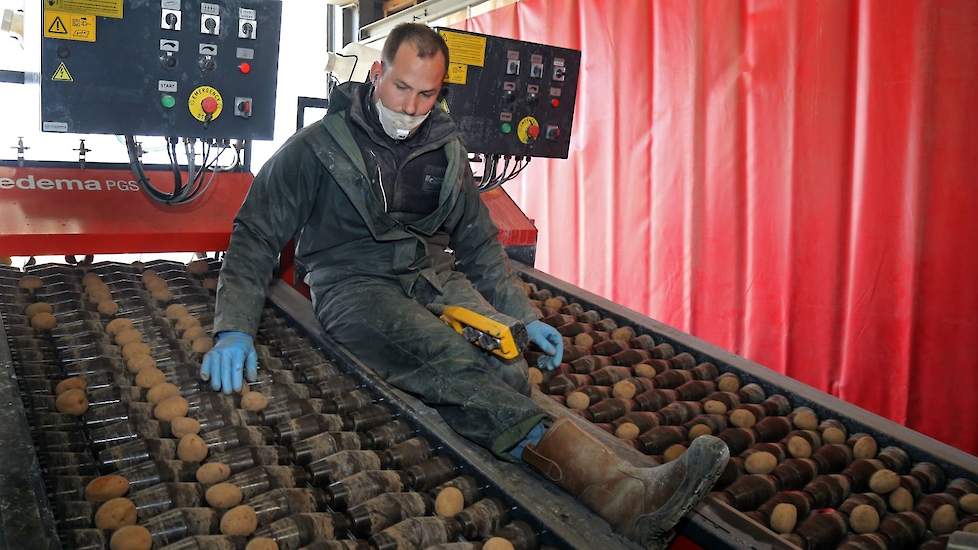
(373, 194)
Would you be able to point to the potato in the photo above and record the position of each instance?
(105, 488)
(98, 294)
(784, 517)
(969, 503)
(150, 274)
(644, 370)
(38, 307)
(799, 447)
(240, 520)
(162, 391)
(202, 345)
(578, 400)
(140, 362)
(210, 283)
(175, 311)
(193, 333)
(108, 307)
(884, 482)
(186, 322)
(262, 543)
(699, 430)
(30, 282)
(43, 321)
(161, 294)
(833, 435)
(673, 452)
(153, 285)
(624, 390)
(584, 340)
(184, 425)
(534, 375)
(213, 472)
(864, 447)
(742, 418)
(761, 462)
(149, 377)
(627, 431)
(864, 519)
(116, 326)
(223, 495)
(115, 513)
(497, 543)
(192, 448)
(131, 537)
(253, 401)
(90, 277)
(170, 408)
(944, 519)
(73, 383)
(127, 336)
(136, 348)
(198, 267)
(449, 502)
(901, 500)
(73, 402)
(713, 406)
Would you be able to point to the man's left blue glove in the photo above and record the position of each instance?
(223, 365)
(549, 341)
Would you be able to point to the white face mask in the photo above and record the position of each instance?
(398, 126)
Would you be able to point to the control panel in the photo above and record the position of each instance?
(511, 97)
(160, 67)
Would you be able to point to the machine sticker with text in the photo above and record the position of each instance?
(30, 182)
(465, 48)
(65, 25)
(457, 73)
(104, 8)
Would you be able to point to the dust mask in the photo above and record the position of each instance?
(398, 126)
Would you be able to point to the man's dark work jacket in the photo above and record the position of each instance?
(317, 189)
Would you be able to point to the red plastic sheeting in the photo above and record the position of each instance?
(790, 180)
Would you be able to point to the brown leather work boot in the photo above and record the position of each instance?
(644, 504)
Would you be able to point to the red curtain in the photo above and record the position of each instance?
(787, 179)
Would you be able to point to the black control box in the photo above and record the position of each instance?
(160, 67)
(511, 97)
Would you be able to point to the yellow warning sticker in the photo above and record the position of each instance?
(104, 8)
(465, 48)
(69, 26)
(457, 73)
(62, 74)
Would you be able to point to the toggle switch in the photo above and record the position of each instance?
(552, 133)
(210, 24)
(242, 107)
(170, 20)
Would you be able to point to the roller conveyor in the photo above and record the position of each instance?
(717, 522)
(50, 456)
(725, 519)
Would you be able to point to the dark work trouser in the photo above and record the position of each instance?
(483, 398)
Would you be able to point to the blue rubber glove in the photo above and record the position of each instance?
(223, 365)
(549, 341)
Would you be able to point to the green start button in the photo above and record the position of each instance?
(167, 101)
(506, 128)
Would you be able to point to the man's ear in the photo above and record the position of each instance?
(375, 71)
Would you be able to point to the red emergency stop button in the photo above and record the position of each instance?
(209, 105)
(533, 131)
(245, 68)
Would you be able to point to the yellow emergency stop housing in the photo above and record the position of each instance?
(498, 334)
